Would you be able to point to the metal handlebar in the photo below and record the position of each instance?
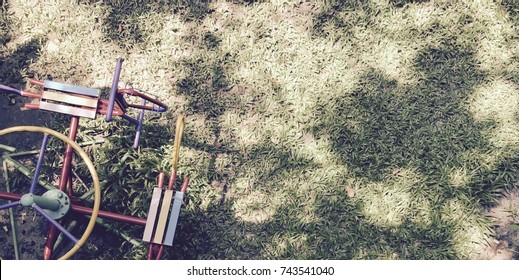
(10, 89)
(113, 90)
(117, 95)
(161, 107)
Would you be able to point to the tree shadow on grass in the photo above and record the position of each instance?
(402, 3)
(207, 90)
(122, 24)
(382, 126)
(13, 71)
(425, 127)
(512, 7)
(218, 231)
(5, 23)
(341, 232)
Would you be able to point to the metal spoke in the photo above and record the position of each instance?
(11, 213)
(40, 161)
(56, 224)
(9, 205)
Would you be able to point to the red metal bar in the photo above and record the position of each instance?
(161, 179)
(161, 251)
(31, 94)
(152, 251)
(63, 180)
(86, 211)
(136, 106)
(35, 82)
(109, 215)
(69, 154)
(70, 186)
(133, 92)
(172, 178)
(10, 196)
(102, 108)
(185, 184)
(31, 106)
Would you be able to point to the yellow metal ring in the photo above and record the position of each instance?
(91, 168)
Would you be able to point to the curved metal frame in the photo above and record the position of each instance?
(91, 168)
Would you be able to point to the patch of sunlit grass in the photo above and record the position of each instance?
(388, 203)
(470, 229)
(498, 101)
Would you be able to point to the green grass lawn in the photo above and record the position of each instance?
(373, 129)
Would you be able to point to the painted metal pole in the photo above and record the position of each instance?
(179, 129)
(55, 224)
(33, 152)
(109, 215)
(38, 164)
(63, 180)
(88, 211)
(13, 90)
(119, 232)
(25, 171)
(139, 126)
(11, 214)
(70, 227)
(69, 154)
(7, 148)
(9, 205)
(10, 196)
(113, 90)
(130, 119)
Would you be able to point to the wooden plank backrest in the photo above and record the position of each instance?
(163, 217)
(92, 92)
(70, 99)
(173, 219)
(69, 110)
(152, 215)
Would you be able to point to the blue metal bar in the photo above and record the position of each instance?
(56, 224)
(113, 90)
(40, 161)
(139, 126)
(130, 119)
(13, 90)
(9, 205)
(161, 109)
(11, 214)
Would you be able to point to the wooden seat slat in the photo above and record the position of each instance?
(69, 110)
(163, 217)
(173, 219)
(92, 92)
(152, 215)
(70, 99)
